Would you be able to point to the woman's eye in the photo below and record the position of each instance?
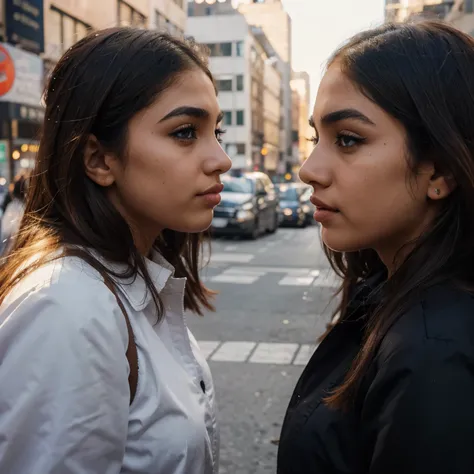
(314, 140)
(348, 141)
(188, 133)
(219, 132)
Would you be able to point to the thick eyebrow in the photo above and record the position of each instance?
(345, 114)
(189, 111)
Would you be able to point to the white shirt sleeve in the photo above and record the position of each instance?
(64, 396)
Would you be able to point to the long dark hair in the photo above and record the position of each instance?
(421, 74)
(96, 88)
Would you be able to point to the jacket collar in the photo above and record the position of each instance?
(366, 296)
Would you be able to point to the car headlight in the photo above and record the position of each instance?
(306, 208)
(248, 206)
(287, 211)
(244, 215)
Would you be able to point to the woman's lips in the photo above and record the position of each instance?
(212, 195)
(324, 211)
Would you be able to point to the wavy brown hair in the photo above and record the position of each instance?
(96, 88)
(421, 74)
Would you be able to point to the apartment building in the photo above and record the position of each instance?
(271, 17)
(401, 10)
(300, 86)
(249, 85)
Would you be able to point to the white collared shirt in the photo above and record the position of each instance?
(64, 396)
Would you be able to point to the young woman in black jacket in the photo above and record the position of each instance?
(390, 390)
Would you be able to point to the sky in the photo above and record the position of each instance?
(320, 26)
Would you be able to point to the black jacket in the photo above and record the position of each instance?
(415, 411)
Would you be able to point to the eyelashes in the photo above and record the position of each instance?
(343, 140)
(219, 133)
(188, 133)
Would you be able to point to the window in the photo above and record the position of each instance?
(66, 30)
(226, 49)
(240, 82)
(224, 85)
(220, 49)
(237, 185)
(227, 118)
(239, 48)
(253, 55)
(163, 24)
(240, 148)
(240, 117)
(128, 16)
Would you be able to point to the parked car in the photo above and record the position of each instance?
(249, 206)
(296, 208)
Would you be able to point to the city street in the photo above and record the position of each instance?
(273, 303)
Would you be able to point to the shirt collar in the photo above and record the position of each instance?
(134, 289)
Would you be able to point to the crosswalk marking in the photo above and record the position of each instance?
(238, 279)
(304, 354)
(296, 281)
(233, 351)
(208, 347)
(232, 257)
(247, 275)
(272, 353)
(230, 248)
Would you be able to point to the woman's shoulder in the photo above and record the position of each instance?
(65, 291)
(440, 320)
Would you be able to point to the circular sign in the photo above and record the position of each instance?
(7, 71)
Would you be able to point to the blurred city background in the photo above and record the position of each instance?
(266, 261)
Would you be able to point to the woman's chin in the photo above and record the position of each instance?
(337, 242)
(194, 226)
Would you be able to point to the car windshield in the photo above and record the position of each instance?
(237, 185)
(288, 193)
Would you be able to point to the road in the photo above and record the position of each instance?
(273, 304)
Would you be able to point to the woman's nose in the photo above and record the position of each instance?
(220, 163)
(315, 170)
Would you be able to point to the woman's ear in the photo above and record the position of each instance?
(97, 163)
(441, 185)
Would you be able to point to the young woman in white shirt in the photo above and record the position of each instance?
(98, 370)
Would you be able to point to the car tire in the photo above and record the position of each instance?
(274, 228)
(255, 231)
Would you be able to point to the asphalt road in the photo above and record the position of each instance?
(274, 302)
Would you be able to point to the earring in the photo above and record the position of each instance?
(437, 191)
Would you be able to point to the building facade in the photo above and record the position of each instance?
(300, 85)
(462, 16)
(249, 85)
(271, 17)
(402, 10)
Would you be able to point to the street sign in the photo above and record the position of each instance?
(25, 24)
